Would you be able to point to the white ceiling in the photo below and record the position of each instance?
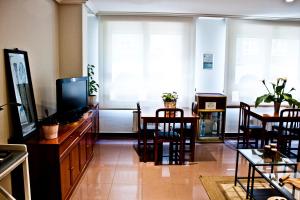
(246, 8)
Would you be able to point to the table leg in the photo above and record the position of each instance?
(236, 167)
(248, 180)
(193, 137)
(26, 179)
(252, 182)
(264, 124)
(145, 140)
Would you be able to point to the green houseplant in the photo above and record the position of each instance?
(278, 95)
(92, 86)
(170, 99)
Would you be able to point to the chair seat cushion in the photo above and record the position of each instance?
(252, 126)
(163, 134)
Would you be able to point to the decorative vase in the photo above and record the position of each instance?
(50, 131)
(276, 107)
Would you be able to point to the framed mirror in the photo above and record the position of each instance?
(24, 117)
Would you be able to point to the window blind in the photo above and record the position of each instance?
(260, 50)
(144, 57)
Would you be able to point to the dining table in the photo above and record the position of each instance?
(266, 115)
(148, 117)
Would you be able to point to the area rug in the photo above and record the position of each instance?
(222, 188)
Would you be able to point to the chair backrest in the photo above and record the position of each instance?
(195, 107)
(169, 121)
(289, 121)
(138, 116)
(244, 116)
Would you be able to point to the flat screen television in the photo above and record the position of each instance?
(72, 98)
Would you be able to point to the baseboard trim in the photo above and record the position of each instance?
(132, 135)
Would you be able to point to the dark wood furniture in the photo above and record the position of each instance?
(212, 112)
(288, 130)
(148, 117)
(149, 131)
(57, 165)
(247, 131)
(166, 121)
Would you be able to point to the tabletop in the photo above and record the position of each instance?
(149, 112)
(265, 114)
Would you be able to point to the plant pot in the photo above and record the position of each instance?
(92, 100)
(50, 131)
(170, 104)
(276, 108)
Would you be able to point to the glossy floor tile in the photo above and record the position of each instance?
(115, 173)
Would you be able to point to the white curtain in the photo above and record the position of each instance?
(260, 50)
(144, 57)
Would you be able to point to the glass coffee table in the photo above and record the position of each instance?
(287, 190)
(258, 162)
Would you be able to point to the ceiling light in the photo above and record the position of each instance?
(289, 1)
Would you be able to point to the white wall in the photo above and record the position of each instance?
(71, 40)
(210, 38)
(92, 40)
(31, 26)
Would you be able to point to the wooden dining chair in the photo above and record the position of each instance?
(188, 129)
(141, 131)
(247, 131)
(288, 132)
(166, 119)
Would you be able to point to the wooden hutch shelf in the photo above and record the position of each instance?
(212, 113)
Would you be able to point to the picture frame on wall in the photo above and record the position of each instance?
(24, 117)
(207, 61)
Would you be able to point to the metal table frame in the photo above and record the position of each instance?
(252, 167)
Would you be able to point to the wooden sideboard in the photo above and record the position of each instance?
(57, 165)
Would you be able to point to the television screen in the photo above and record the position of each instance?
(72, 95)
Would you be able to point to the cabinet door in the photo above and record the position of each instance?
(65, 176)
(89, 143)
(75, 169)
(83, 145)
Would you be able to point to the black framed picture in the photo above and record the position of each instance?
(24, 117)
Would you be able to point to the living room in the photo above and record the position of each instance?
(55, 35)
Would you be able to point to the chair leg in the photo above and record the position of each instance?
(238, 141)
(181, 152)
(247, 141)
(156, 153)
(171, 152)
(298, 151)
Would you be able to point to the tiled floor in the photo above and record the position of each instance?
(115, 173)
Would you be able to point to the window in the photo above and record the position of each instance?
(144, 57)
(257, 51)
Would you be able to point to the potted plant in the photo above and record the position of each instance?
(278, 95)
(93, 86)
(170, 99)
(49, 126)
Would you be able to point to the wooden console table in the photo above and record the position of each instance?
(57, 165)
(17, 155)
